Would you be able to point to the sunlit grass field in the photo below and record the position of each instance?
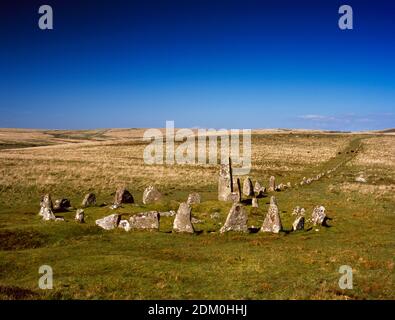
(91, 263)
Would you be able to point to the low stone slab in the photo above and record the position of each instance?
(236, 220)
(182, 221)
(109, 222)
(145, 220)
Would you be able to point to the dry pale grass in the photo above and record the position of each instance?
(378, 151)
(378, 191)
(107, 164)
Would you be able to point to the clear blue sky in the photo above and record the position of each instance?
(220, 64)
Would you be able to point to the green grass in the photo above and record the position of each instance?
(91, 263)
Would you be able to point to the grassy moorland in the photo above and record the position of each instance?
(91, 263)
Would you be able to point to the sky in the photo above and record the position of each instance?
(203, 64)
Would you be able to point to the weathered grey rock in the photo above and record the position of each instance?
(193, 198)
(272, 183)
(360, 179)
(59, 219)
(45, 202)
(61, 204)
(236, 220)
(123, 196)
(255, 203)
(248, 189)
(80, 216)
(170, 213)
(47, 214)
(46, 208)
(225, 181)
(318, 216)
(151, 195)
(124, 224)
(298, 224)
(289, 185)
(272, 222)
(145, 220)
(281, 187)
(109, 222)
(298, 211)
(89, 200)
(259, 190)
(182, 221)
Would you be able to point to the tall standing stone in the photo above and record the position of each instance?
(123, 196)
(182, 221)
(236, 220)
(151, 195)
(272, 184)
(225, 181)
(89, 200)
(46, 208)
(248, 189)
(272, 222)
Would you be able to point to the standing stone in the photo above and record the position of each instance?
(151, 195)
(123, 196)
(46, 202)
(298, 224)
(89, 200)
(193, 198)
(182, 221)
(248, 189)
(47, 214)
(46, 208)
(272, 222)
(225, 181)
(236, 220)
(255, 202)
(259, 190)
(80, 216)
(109, 222)
(272, 184)
(146, 220)
(318, 216)
(62, 204)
